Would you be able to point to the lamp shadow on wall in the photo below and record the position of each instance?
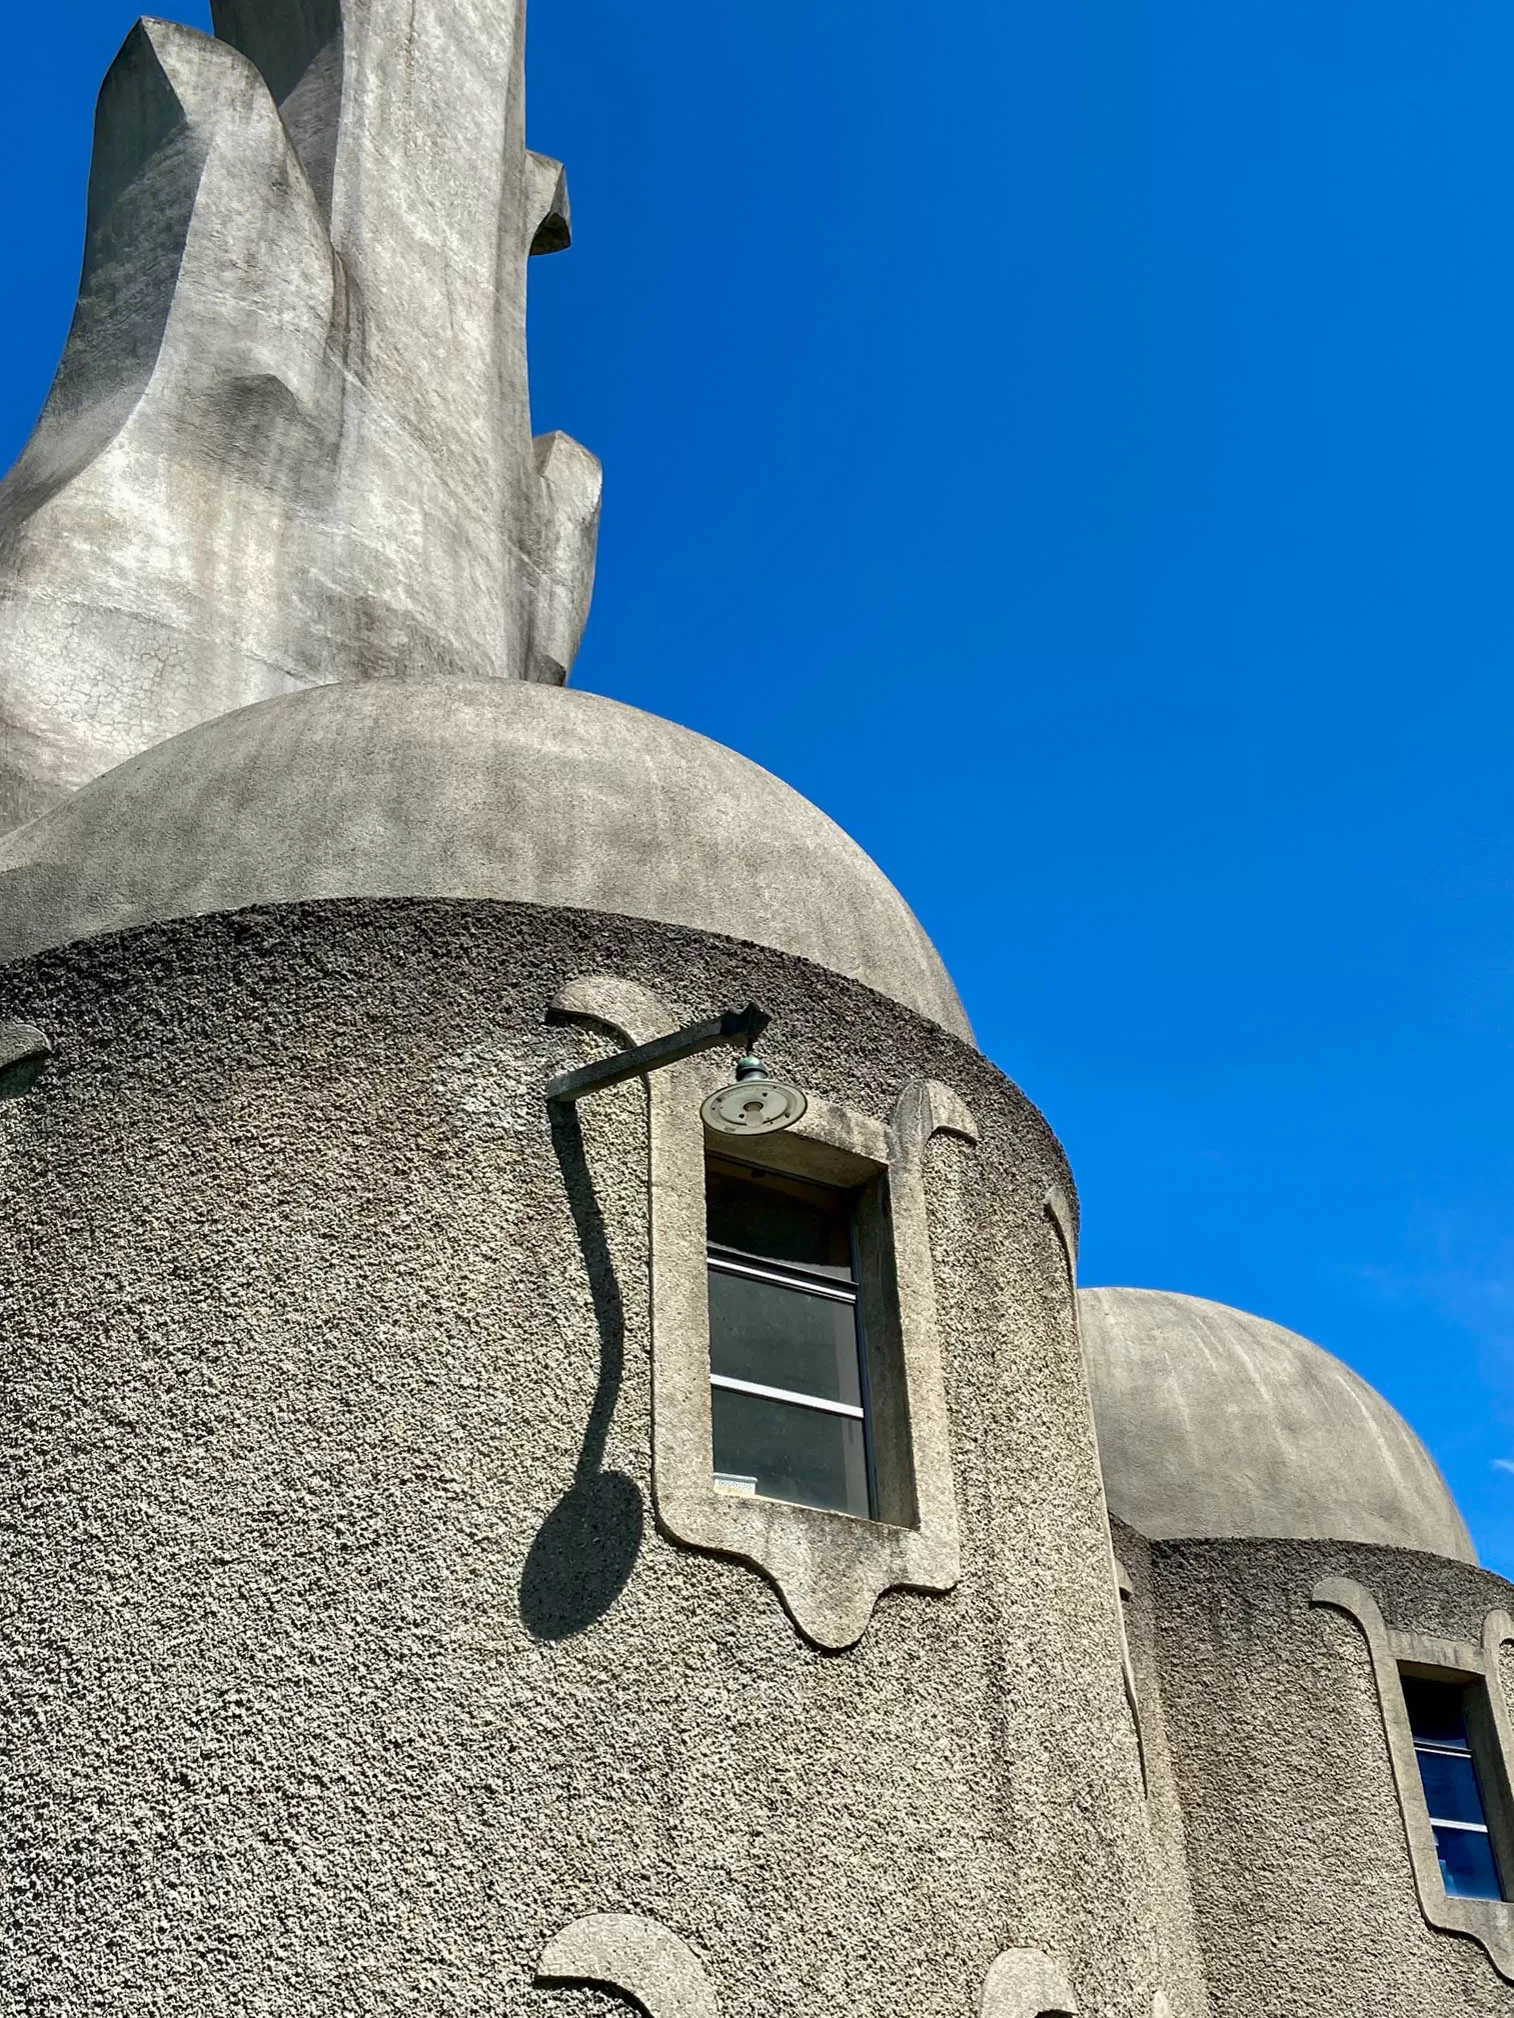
(586, 1548)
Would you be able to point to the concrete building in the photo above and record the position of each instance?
(493, 1529)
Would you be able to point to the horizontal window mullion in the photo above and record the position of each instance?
(835, 1292)
(1471, 1828)
(814, 1401)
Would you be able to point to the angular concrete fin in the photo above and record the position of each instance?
(298, 46)
(636, 1957)
(203, 365)
(563, 563)
(151, 141)
(258, 315)
(290, 438)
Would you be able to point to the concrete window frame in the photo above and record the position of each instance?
(829, 1569)
(1489, 1922)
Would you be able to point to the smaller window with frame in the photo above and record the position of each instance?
(788, 1360)
(1456, 1751)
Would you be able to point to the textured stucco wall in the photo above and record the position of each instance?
(303, 1326)
(1301, 1876)
(1172, 1897)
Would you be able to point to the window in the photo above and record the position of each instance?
(787, 1367)
(1443, 1716)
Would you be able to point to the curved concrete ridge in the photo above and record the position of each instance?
(1025, 1983)
(1214, 1423)
(478, 789)
(638, 1958)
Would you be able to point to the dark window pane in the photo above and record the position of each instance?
(1466, 1864)
(781, 1337)
(1451, 1787)
(784, 1452)
(1437, 1710)
(780, 1219)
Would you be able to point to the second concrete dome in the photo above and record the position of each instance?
(1214, 1423)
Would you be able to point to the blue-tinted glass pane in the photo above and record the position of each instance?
(1466, 1864)
(1451, 1792)
(782, 1452)
(779, 1337)
(1437, 1710)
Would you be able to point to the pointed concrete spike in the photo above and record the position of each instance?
(553, 229)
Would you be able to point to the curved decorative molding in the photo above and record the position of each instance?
(925, 1109)
(1024, 1983)
(1489, 1922)
(628, 1011)
(1125, 1589)
(830, 1569)
(24, 1055)
(637, 1958)
(1058, 1208)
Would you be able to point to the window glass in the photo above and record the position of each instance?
(780, 1219)
(786, 1368)
(781, 1451)
(1451, 1790)
(1437, 1714)
(1467, 1868)
(1448, 1769)
(778, 1336)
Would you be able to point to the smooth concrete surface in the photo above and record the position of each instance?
(1212, 1422)
(346, 1662)
(1302, 1878)
(289, 440)
(496, 789)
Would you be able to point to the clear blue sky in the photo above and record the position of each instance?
(1073, 444)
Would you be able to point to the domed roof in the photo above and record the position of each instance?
(400, 788)
(1215, 1423)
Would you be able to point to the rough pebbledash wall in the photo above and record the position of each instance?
(1172, 1898)
(1302, 1882)
(344, 1663)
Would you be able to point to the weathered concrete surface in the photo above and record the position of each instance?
(308, 1323)
(1300, 1865)
(479, 789)
(1212, 1422)
(289, 440)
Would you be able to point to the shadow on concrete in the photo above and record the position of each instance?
(586, 1548)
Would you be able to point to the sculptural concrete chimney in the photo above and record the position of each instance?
(289, 441)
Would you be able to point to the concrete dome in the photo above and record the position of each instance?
(1215, 1423)
(493, 789)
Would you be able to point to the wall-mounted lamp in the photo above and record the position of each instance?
(755, 1105)
(24, 1053)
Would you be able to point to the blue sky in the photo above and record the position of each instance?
(1073, 444)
